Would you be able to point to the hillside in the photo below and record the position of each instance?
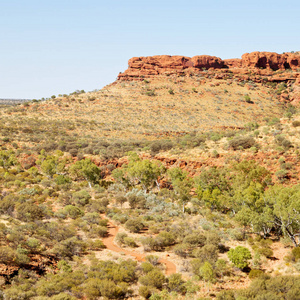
(177, 181)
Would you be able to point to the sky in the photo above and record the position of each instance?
(51, 47)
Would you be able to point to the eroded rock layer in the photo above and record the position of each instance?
(143, 67)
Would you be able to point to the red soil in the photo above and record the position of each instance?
(109, 243)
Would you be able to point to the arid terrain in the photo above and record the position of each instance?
(180, 180)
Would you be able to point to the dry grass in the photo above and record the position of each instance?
(126, 110)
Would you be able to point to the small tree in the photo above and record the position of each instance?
(85, 169)
(239, 256)
(181, 184)
(207, 273)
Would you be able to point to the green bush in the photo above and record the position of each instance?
(239, 256)
(73, 211)
(96, 245)
(154, 278)
(144, 292)
(134, 225)
(176, 283)
(81, 198)
(109, 290)
(248, 99)
(195, 239)
(207, 253)
(147, 267)
(242, 142)
(136, 201)
(29, 211)
(130, 242)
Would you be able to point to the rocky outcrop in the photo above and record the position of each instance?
(143, 67)
(271, 60)
(233, 62)
(166, 64)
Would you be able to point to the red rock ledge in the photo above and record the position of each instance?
(149, 66)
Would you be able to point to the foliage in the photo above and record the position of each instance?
(154, 278)
(242, 142)
(7, 159)
(207, 272)
(239, 256)
(176, 283)
(134, 225)
(143, 172)
(85, 169)
(182, 185)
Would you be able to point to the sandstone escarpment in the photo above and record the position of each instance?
(143, 67)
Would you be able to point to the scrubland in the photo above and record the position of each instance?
(167, 188)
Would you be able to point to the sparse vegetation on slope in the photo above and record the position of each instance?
(196, 171)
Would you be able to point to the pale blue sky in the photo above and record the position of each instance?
(57, 46)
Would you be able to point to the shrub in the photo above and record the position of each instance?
(110, 290)
(226, 295)
(29, 211)
(151, 93)
(136, 201)
(282, 141)
(7, 255)
(96, 245)
(296, 123)
(207, 272)
(147, 267)
(73, 211)
(267, 252)
(182, 250)
(207, 253)
(195, 239)
(213, 238)
(134, 225)
(120, 237)
(248, 99)
(61, 179)
(296, 253)
(282, 175)
(149, 244)
(244, 142)
(274, 121)
(254, 273)
(120, 199)
(130, 242)
(176, 283)
(98, 231)
(154, 278)
(166, 238)
(239, 256)
(159, 145)
(81, 198)
(144, 291)
(152, 259)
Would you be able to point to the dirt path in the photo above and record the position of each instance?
(109, 243)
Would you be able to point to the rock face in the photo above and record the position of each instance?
(271, 60)
(161, 64)
(140, 67)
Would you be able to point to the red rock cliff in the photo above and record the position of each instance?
(140, 67)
